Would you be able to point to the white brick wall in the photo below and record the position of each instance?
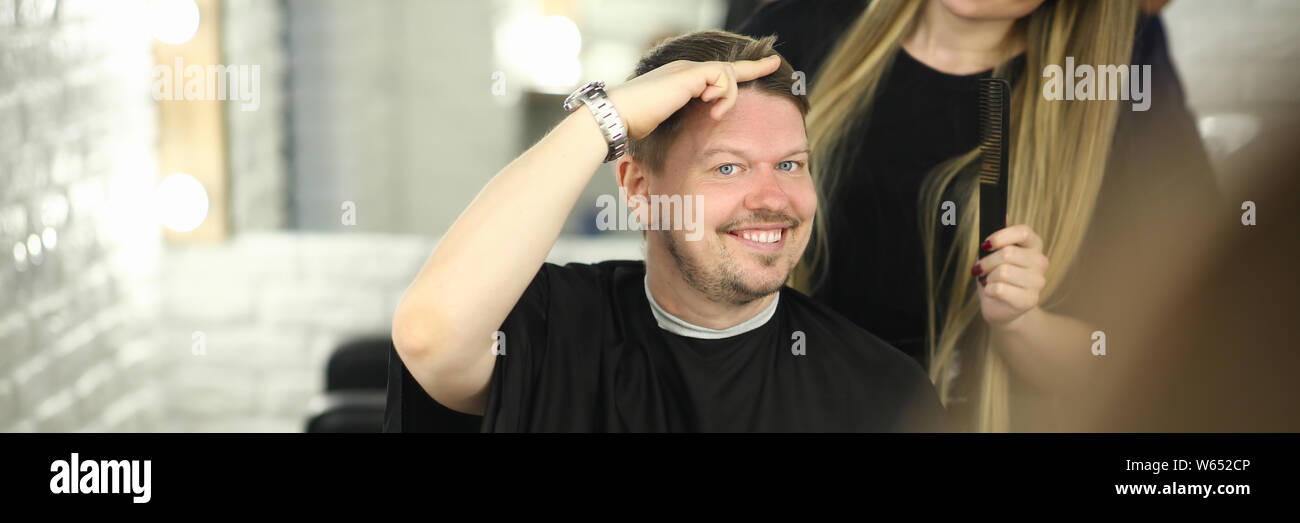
(79, 347)
(97, 318)
(272, 306)
(77, 131)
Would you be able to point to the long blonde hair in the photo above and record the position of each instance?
(1058, 155)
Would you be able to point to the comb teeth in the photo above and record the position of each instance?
(993, 109)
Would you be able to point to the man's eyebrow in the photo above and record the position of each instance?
(803, 149)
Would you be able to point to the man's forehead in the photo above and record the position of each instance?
(746, 150)
(758, 124)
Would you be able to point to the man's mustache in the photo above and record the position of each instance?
(761, 218)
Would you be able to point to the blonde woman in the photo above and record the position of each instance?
(894, 130)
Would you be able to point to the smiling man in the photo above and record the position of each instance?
(703, 336)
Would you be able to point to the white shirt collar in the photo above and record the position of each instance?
(681, 327)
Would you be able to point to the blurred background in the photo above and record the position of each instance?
(225, 255)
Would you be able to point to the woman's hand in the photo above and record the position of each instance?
(647, 100)
(1012, 277)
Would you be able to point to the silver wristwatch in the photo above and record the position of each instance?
(611, 124)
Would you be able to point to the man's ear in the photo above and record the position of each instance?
(634, 181)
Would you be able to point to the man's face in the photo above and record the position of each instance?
(758, 199)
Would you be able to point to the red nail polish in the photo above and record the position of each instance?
(983, 280)
(975, 271)
(988, 244)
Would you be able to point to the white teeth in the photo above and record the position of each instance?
(762, 236)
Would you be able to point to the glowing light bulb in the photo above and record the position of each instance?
(174, 21)
(547, 48)
(34, 245)
(20, 256)
(181, 202)
(49, 238)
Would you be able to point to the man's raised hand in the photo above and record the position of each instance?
(647, 100)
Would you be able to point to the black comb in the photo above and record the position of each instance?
(995, 120)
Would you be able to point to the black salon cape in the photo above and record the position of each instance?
(583, 353)
(924, 117)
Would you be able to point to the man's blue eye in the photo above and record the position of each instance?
(788, 165)
(727, 170)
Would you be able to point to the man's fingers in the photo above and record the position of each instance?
(712, 92)
(728, 99)
(725, 77)
(747, 70)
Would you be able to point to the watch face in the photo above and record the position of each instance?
(572, 101)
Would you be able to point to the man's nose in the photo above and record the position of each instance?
(767, 191)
